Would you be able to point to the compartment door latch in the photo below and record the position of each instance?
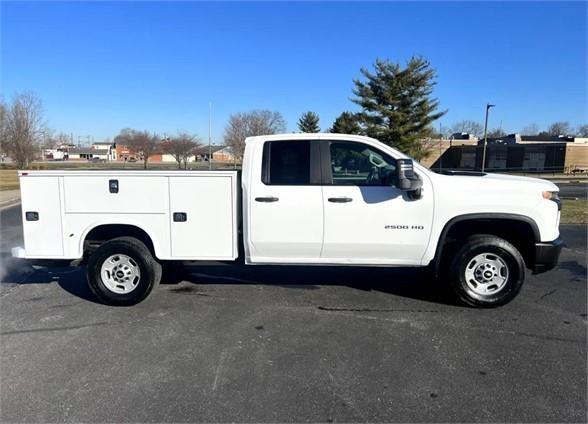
(180, 216)
(32, 216)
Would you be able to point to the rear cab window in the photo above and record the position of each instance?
(287, 162)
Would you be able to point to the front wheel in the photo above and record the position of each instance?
(122, 272)
(487, 271)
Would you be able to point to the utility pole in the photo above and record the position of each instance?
(440, 148)
(488, 106)
(209, 135)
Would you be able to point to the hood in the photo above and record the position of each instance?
(519, 179)
(503, 180)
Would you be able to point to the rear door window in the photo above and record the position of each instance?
(286, 162)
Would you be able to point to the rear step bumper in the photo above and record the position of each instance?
(18, 252)
(547, 255)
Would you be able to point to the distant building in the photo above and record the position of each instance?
(513, 153)
(463, 136)
(523, 139)
(55, 154)
(219, 153)
(79, 153)
(223, 155)
(106, 145)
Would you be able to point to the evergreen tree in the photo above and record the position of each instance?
(346, 123)
(397, 107)
(308, 123)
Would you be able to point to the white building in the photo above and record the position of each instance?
(82, 153)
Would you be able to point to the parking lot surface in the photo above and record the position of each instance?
(291, 344)
(577, 190)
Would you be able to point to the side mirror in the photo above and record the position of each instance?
(407, 180)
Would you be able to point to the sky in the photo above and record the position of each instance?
(100, 67)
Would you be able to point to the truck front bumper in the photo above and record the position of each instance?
(547, 255)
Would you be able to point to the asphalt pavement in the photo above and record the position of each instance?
(290, 344)
(579, 190)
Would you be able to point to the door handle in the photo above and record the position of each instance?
(340, 199)
(267, 199)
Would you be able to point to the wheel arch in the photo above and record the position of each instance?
(102, 232)
(491, 223)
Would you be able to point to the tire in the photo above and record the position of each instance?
(122, 272)
(486, 272)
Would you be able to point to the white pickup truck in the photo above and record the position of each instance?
(305, 199)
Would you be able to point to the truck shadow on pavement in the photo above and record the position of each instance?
(70, 279)
(409, 283)
(412, 283)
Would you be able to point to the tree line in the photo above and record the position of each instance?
(395, 102)
(145, 144)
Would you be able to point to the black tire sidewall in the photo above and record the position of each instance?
(136, 250)
(505, 251)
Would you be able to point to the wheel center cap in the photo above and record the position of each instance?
(120, 274)
(488, 274)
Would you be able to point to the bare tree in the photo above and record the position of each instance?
(249, 124)
(22, 128)
(559, 128)
(582, 130)
(142, 143)
(181, 147)
(62, 138)
(531, 129)
(496, 133)
(467, 126)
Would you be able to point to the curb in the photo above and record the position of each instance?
(9, 204)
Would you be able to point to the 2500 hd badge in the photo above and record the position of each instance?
(404, 227)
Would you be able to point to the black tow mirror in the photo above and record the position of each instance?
(407, 180)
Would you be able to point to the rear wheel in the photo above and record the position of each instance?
(122, 272)
(487, 271)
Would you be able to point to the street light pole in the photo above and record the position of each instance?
(488, 106)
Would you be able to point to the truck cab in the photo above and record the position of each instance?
(305, 199)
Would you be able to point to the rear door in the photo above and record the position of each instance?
(286, 203)
(367, 219)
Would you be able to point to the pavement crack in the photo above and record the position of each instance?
(341, 391)
(336, 309)
(218, 370)
(549, 293)
(42, 330)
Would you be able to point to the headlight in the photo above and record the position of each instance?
(553, 196)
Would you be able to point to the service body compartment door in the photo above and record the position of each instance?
(128, 194)
(203, 217)
(41, 215)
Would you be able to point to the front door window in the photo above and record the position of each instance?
(360, 165)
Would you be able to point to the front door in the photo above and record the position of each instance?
(285, 209)
(367, 219)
